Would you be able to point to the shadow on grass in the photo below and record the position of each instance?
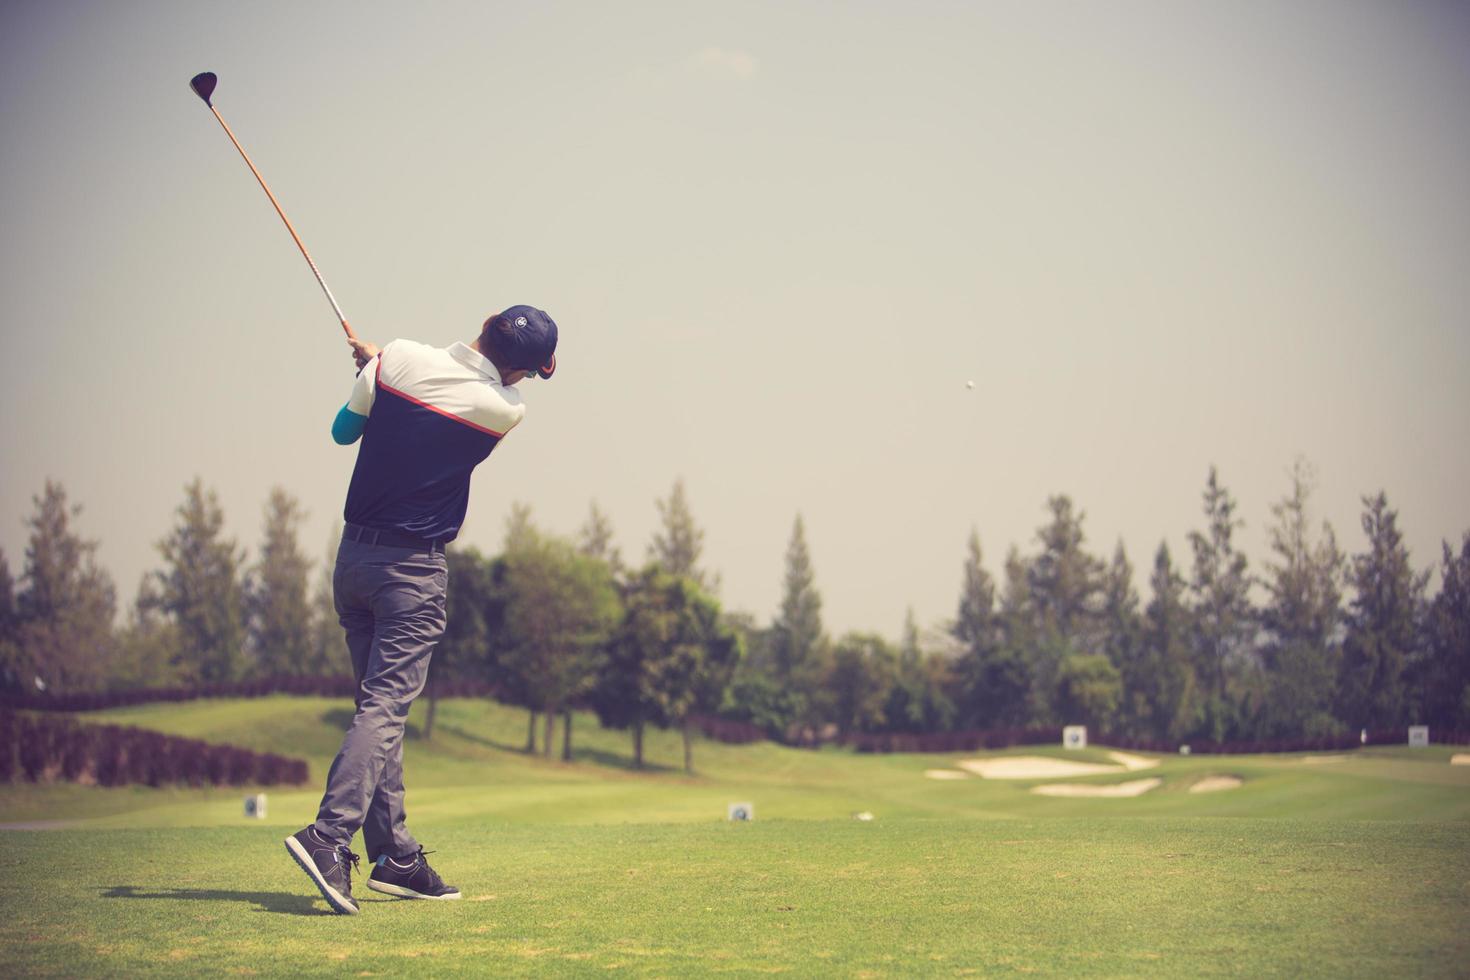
(341, 718)
(489, 743)
(597, 757)
(282, 903)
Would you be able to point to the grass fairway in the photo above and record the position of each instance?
(1354, 867)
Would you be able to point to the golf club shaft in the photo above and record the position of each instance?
(295, 237)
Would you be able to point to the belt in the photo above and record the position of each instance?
(393, 539)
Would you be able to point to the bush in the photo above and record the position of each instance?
(42, 748)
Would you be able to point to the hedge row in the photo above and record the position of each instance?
(42, 749)
(321, 687)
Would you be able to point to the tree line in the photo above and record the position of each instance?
(1317, 642)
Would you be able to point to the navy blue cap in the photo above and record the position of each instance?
(525, 338)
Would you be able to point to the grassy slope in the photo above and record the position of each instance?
(473, 769)
(1352, 868)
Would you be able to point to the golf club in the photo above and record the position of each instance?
(203, 85)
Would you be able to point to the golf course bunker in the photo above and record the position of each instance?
(1460, 759)
(945, 774)
(1134, 787)
(1214, 784)
(1044, 767)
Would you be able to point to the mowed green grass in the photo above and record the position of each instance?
(1354, 867)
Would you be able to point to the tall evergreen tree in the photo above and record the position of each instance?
(520, 530)
(1223, 619)
(1163, 691)
(277, 606)
(596, 540)
(1064, 581)
(63, 612)
(328, 656)
(1122, 623)
(1383, 624)
(796, 633)
(1302, 654)
(1000, 691)
(1064, 587)
(1445, 674)
(986, 671)
(200, 589)
(977, 626)
(679, 542)
(10, 679)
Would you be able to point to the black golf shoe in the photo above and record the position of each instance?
(329, 865)
(409, 878)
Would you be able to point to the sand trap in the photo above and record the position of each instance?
(946, 774)
(1213, 784)
(1032, 767)
(1317, 760)
(1043, 767)
(1460, 759)
(1136, 787)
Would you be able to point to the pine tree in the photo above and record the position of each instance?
(277, 607)
(976, 625)
(1064, 589)
(1301, 655)
(1162, 689)
(796, 633)
(328, 656)
(520, 532)
(200, 589)
(1445, 673)
(597, 540)
(1223, 619)
(10, 671)
(1383, 624)
(1122, 624)
(677, 546)
(64, 609)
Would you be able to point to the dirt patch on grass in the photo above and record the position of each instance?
(1214, 784)
(1134, 787)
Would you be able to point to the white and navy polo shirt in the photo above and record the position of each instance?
(433, 414)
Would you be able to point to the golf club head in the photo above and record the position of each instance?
(203, 85)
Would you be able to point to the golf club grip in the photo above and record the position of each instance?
(294, 237)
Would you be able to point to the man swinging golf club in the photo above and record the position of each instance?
(426, 417)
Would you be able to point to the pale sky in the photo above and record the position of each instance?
(779, 238)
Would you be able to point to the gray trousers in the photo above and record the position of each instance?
(391, 602)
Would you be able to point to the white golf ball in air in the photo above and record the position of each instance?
(969, 384)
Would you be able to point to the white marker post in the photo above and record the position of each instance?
(255, 806)
(1418, 736)
(1074, 737)
(741, 811)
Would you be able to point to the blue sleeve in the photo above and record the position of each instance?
(347, 426)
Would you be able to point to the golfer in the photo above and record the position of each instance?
(427, 417)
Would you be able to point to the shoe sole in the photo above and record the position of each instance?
(334, 898)
(401, 892)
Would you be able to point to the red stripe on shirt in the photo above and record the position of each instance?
(448, 415)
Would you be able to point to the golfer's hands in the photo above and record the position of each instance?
(362, 351)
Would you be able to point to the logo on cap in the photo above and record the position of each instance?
(520, 321)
